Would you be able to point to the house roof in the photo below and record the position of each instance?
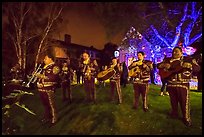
(60, 43)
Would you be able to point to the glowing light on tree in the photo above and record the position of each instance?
(158, 40)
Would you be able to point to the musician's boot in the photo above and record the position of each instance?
(145, 109)
(188, 123)
(166, 93)
(119, 101)
(161, 94)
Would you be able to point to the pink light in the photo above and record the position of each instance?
(189, 50)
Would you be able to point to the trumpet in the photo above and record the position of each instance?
(33, 77)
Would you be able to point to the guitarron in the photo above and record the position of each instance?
(106, 74)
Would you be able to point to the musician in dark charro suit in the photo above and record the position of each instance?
(115, 80)
(65, 75)
(178, 82)
(46, 86)
(141, 77)
(89, 73)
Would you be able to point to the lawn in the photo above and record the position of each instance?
(106, 118)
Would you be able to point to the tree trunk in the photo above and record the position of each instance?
(178, 28)
(52, 17)
(24, 60)
(41, 44)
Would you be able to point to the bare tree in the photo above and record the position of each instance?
(27, 26)
(54, 13)
(17, 13)
(184, 29)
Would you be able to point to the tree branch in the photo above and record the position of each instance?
(58, 14)
(159, 36)
(193, 9)
(14, 42)
(26, 12)
(164, 14)
(196, 37)
(200, 11)
(178, 28)
(15, 22)
(47, 29)
(26, 40)
(152, 14)
(189, 28)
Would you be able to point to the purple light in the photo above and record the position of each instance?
(189, 50)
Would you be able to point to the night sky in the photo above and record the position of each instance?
(80, 21)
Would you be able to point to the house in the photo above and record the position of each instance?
(66, 49)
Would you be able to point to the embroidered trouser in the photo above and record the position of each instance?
(47, 98)
(180, 94)
(90, 89)
(116, 84)
(140, 88)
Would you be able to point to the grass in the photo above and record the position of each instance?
(106, 118)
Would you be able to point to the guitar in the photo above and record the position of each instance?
(106, 74)
(133, 72)
(165, 74)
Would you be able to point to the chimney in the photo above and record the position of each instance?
(67, 39)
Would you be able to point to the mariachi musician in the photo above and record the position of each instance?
(115, 80)
(177, 71)
(88, 71)
(65, 75)
(140, 71)
(46, 85)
